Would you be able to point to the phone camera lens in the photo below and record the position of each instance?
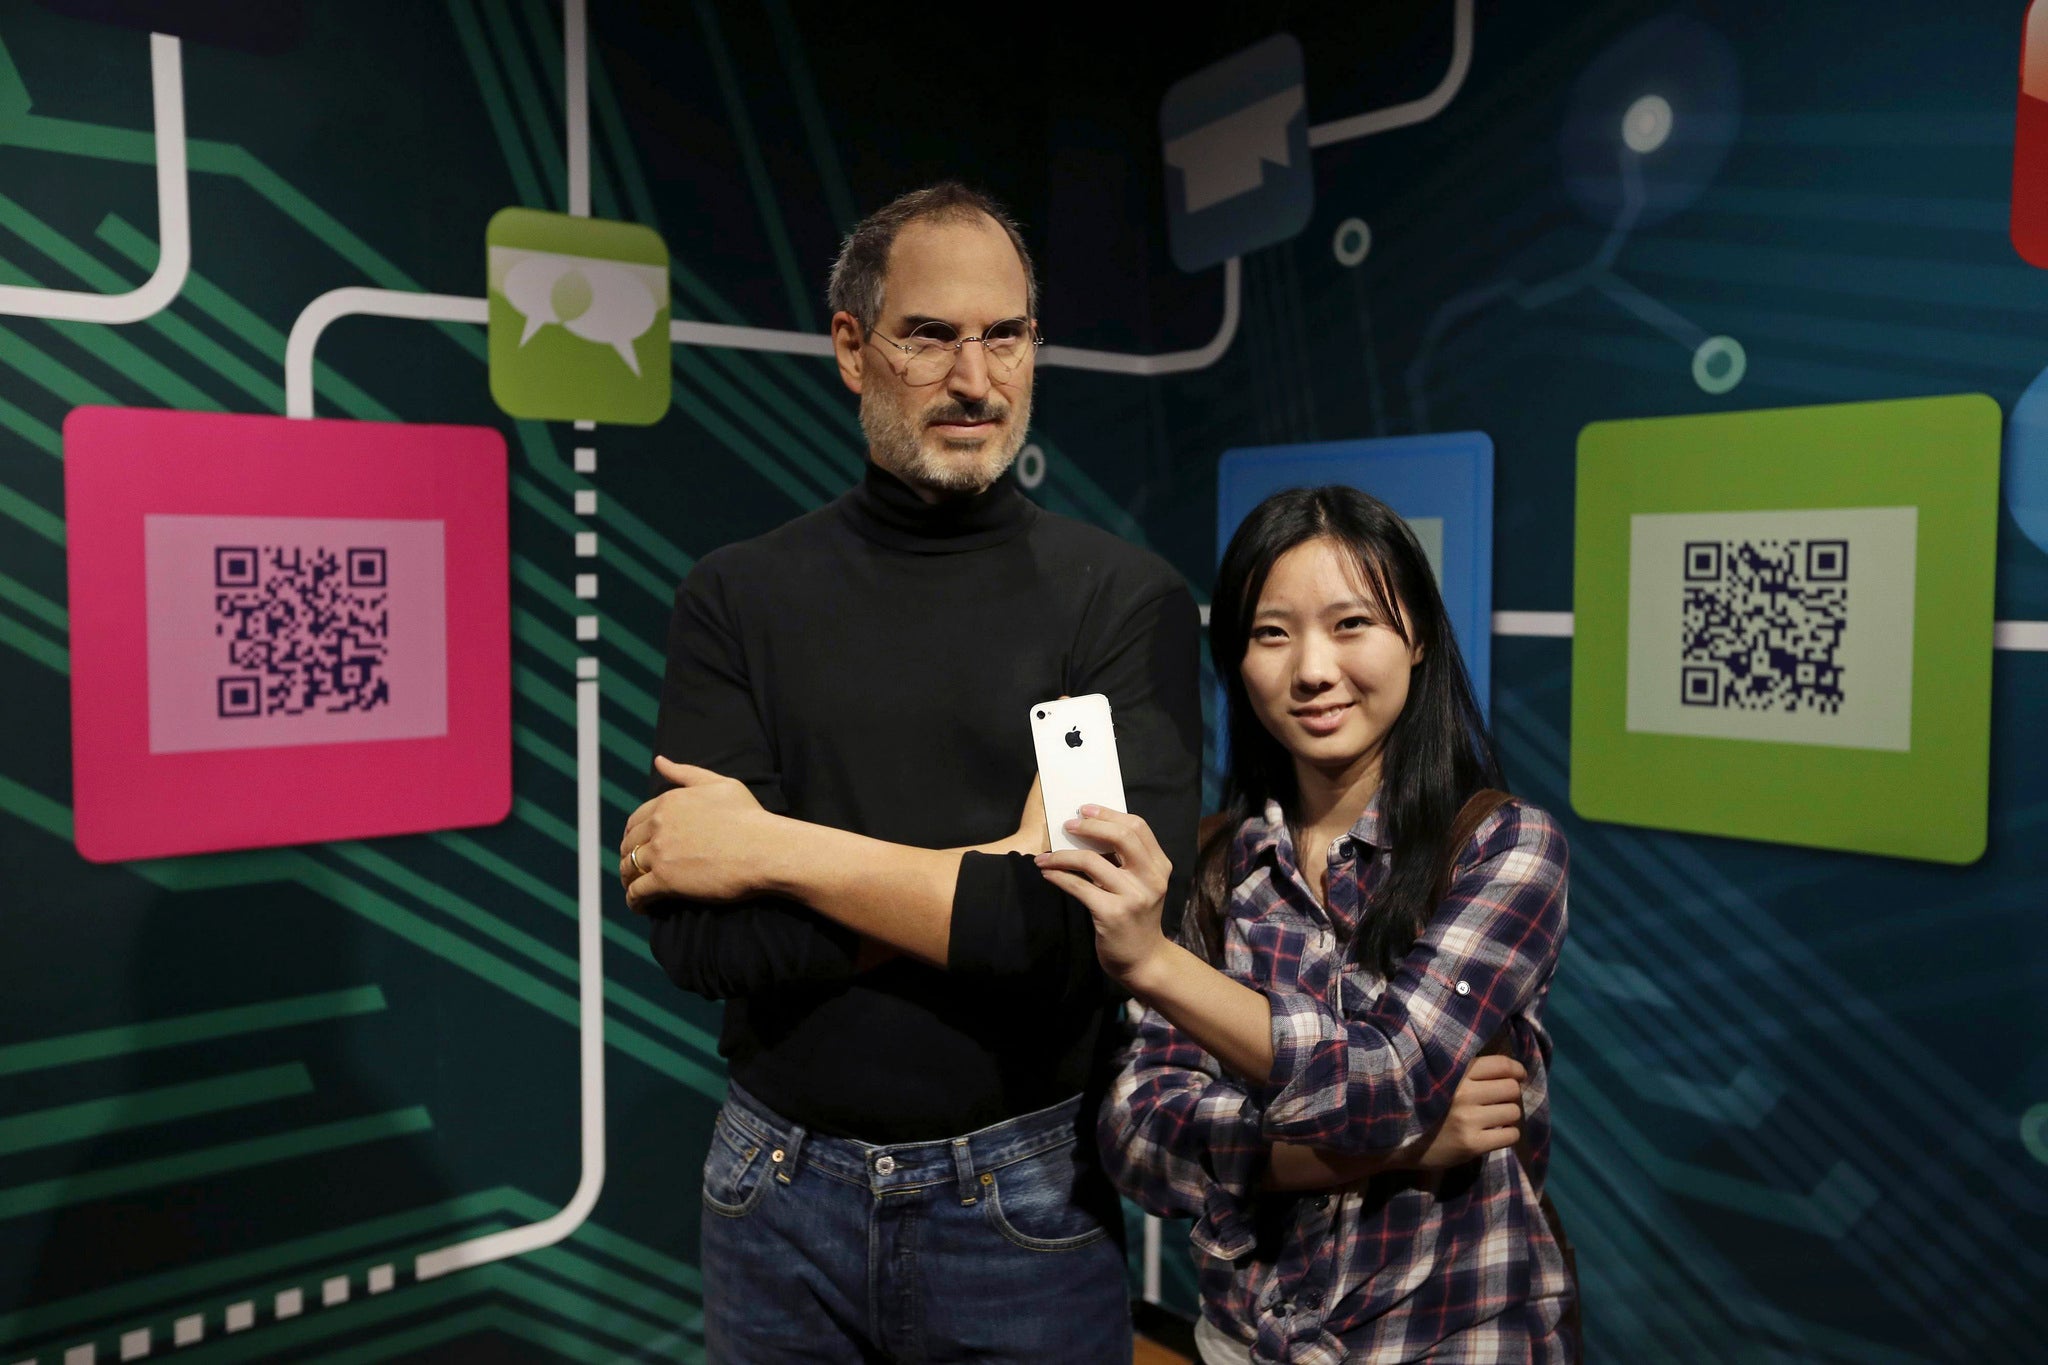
(1041, 715)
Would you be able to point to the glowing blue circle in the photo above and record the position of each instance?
(1691, 69)
(1031, 465)
(1719, 364)
(1352, 242)
(1647, 124)
(2024, 475)
(2034, 1132)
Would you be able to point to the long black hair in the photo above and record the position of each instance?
(1437, 752)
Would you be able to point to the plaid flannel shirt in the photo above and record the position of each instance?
(1449, 1266)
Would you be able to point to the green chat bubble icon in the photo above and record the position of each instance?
(579, 313)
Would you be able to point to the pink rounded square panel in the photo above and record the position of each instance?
(283, 631)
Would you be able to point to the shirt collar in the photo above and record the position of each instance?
(1266, 835)
(1370, 827)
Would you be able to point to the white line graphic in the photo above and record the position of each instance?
(173, 218)
(688, 333)
(1552, 623)
(398, 303)
(497, 1246)
(2026, 637)
(360, 300)
(590, 871)
(1414, 111)
(576, 98)
(1173, 362)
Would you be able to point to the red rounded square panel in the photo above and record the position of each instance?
(282, 630)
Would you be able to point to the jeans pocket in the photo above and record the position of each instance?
(735, 1170)
(1033, 1202)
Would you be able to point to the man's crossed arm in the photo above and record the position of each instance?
(708, 839)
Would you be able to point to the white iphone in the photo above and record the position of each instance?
(1077, 764)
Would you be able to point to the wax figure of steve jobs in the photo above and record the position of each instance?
(915, 1019)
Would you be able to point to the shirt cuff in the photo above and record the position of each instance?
(1006, 917)
(1302, 1024)
(1235, 1155)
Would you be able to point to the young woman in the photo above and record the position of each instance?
(1341, 976)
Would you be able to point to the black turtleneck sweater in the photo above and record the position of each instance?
(869, 667)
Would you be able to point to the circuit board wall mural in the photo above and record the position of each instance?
(296, 1086)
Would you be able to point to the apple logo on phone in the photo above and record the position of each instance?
(1074, 738)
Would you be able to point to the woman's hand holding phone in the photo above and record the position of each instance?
(1124, 892)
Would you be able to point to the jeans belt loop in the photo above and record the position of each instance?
(793, 1146)
(963, 1163)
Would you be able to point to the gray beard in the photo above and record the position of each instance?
(895, 443)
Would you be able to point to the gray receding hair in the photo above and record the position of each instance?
(857, 274)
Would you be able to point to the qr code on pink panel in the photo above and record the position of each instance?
(283, 631)
(269, 631)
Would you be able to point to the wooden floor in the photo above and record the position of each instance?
(1152, 1353)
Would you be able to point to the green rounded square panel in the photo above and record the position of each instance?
(579, 318)
(1783, 624)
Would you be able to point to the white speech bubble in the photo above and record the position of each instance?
(624, 298)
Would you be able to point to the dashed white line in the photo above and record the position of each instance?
(190, 1329)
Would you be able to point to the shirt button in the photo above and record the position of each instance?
(1464, 988)
(776, 1156)
(885, 1165)
(1312, 1300)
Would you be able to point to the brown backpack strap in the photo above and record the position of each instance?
(1471, 816)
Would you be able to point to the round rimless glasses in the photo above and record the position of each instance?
(933, 348)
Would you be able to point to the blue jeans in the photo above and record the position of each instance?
(992, 1247)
